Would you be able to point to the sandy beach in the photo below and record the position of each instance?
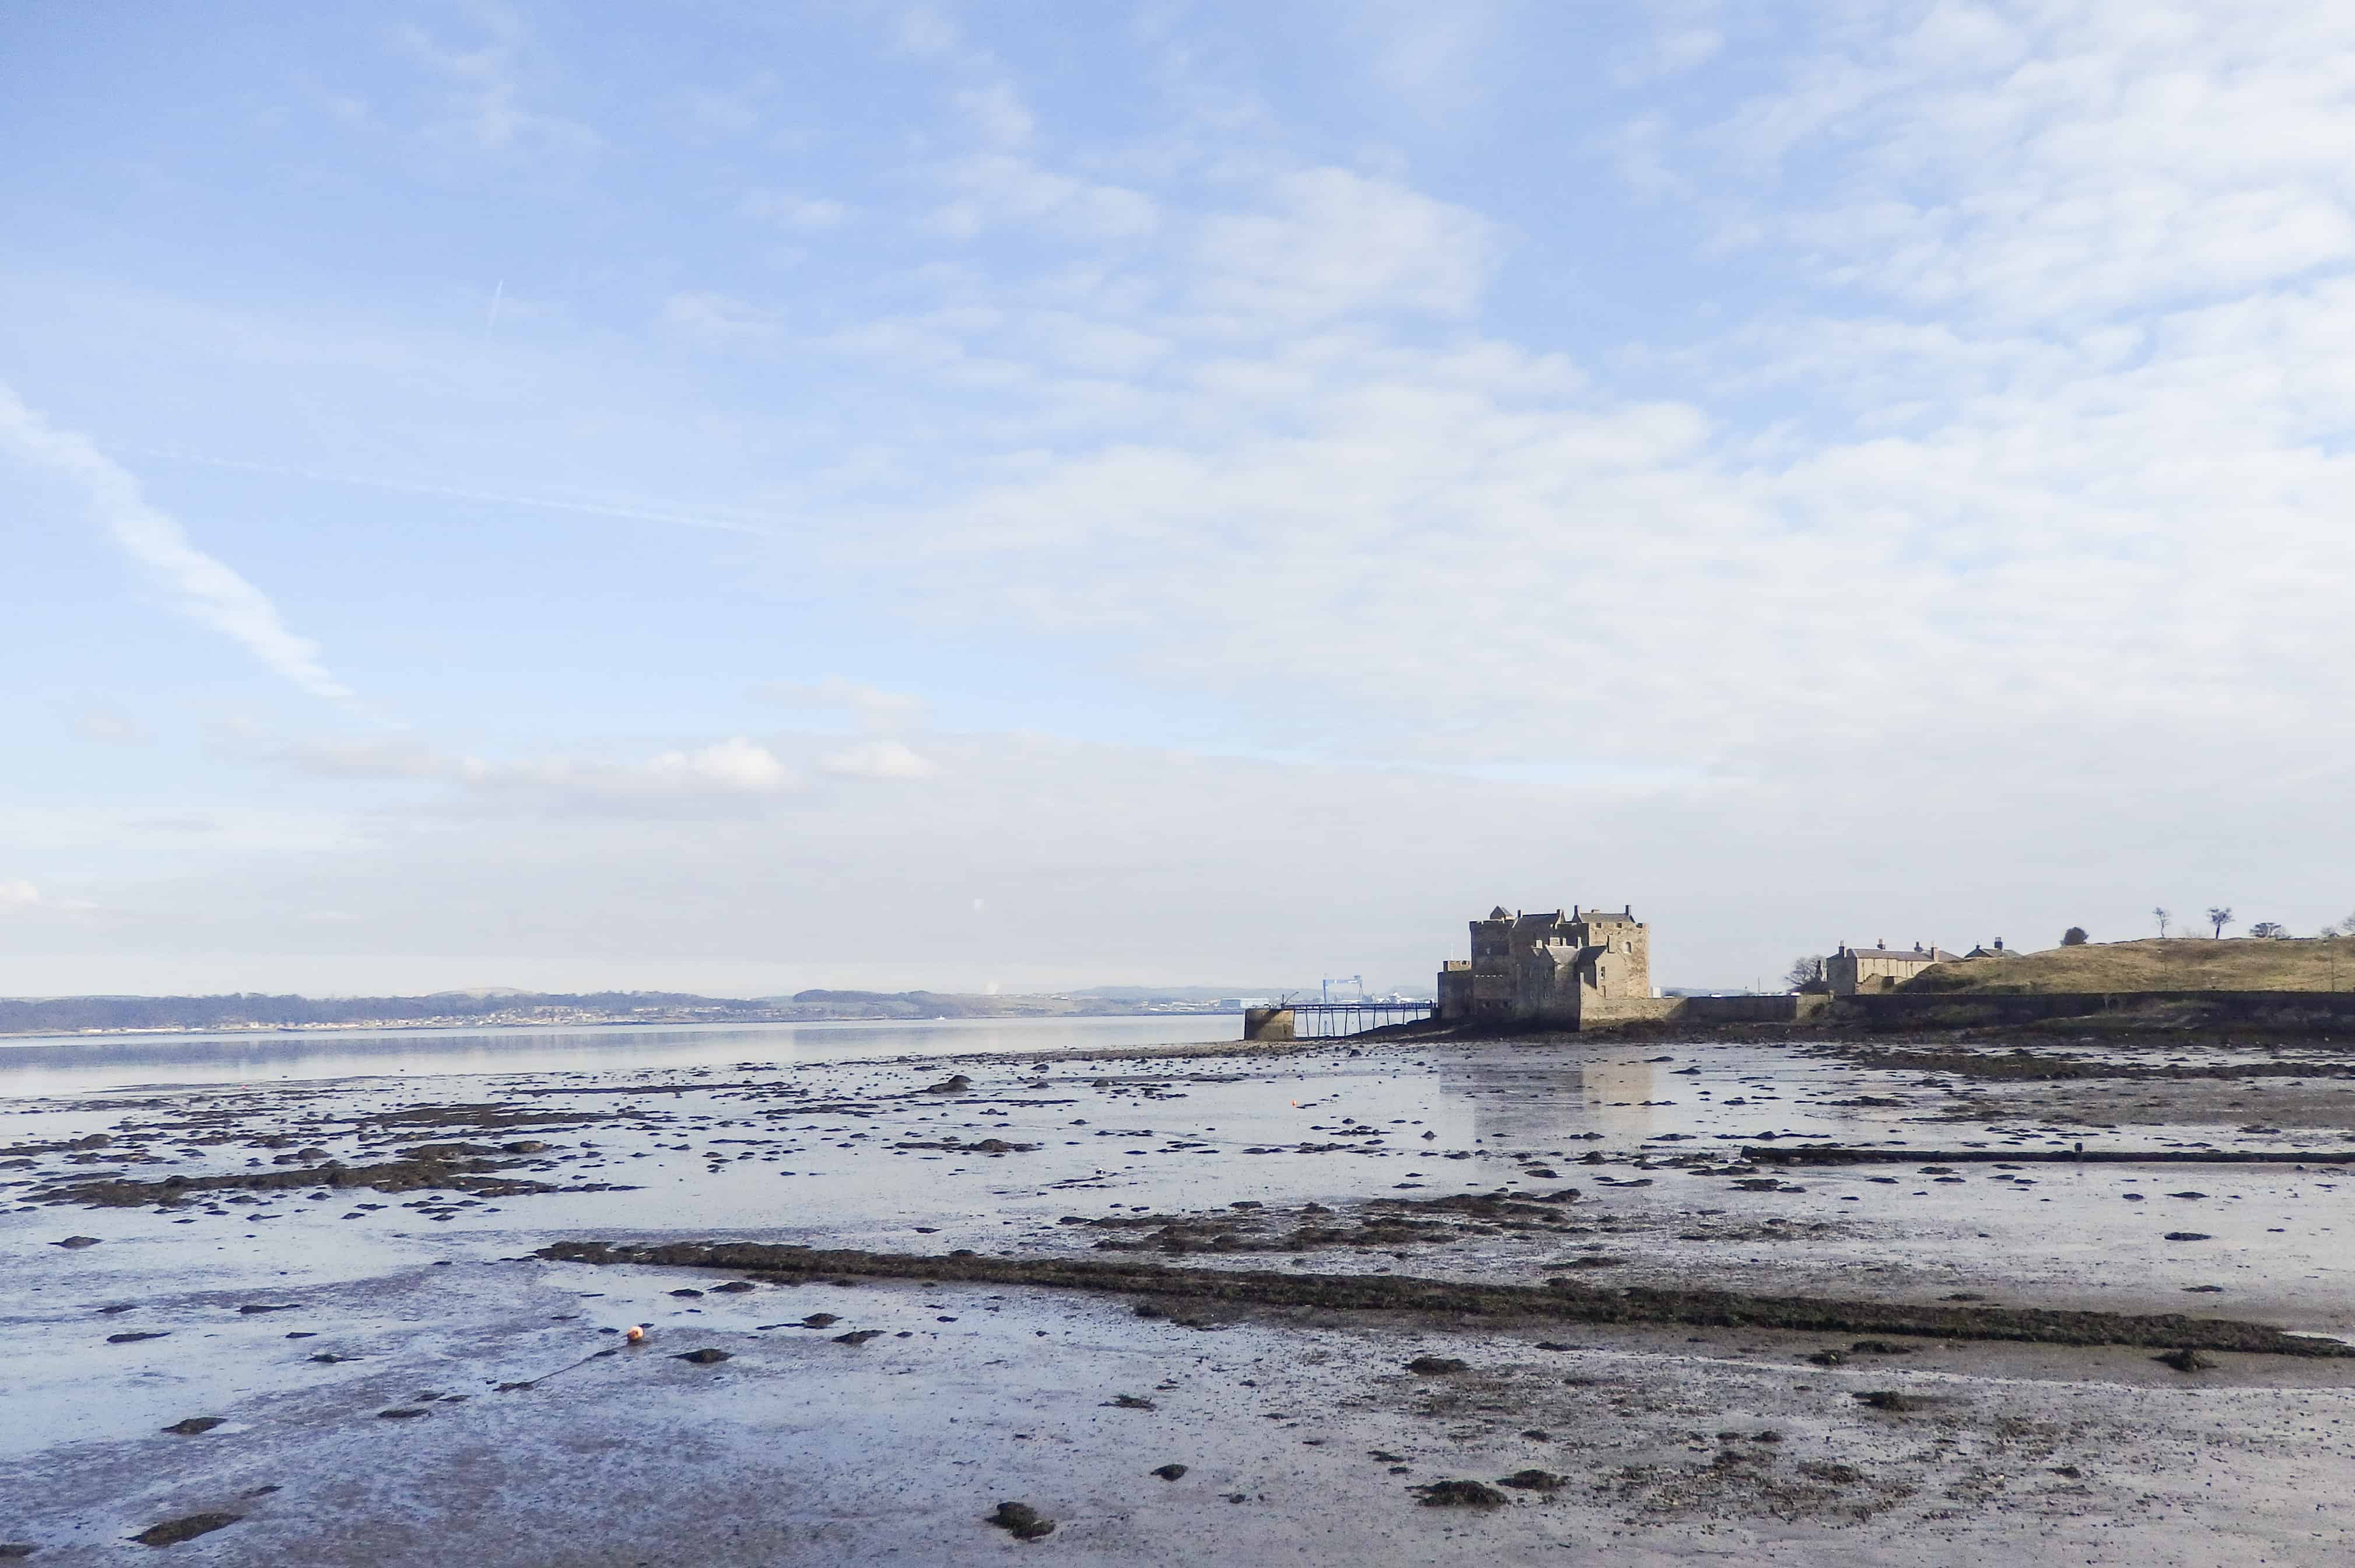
(369, 1320)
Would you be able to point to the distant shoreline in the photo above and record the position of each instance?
(464, 1022)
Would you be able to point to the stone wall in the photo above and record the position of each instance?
(2316, 1011)
(1779, 1009)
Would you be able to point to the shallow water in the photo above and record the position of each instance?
(52, 1065)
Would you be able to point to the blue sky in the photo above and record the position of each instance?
(745, 498)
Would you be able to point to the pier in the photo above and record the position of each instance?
(1328, 1020)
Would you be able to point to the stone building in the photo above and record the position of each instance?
(1879, 968)
(1566, 970)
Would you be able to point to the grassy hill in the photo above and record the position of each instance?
(2179, 963)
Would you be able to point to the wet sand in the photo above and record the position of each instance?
(1316, 1279)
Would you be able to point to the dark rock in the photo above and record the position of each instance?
(135, 1336)
(402, 1413)
(10, 1549)
(1888, 1399)
(1535, 1481)
(706, 1357)
(1554, 1345)
(859, 1335)
(734, 1287)
(1828, 1359)
(1128, 1401)
(688, 1291)
(328, 1358)
(1879, 1348)
(195, 1424)
(75, 1244)
(955, 1083)
(820, 1320)
(1168, 1472)
(171, 1532)
(525, 1146)
(2187, 1195)
(2187, 1361)
(1436, 1366)
(1543, 1172)
(1460, 1494)
(250, 1308)
(1023, 1522)
(2189, 1236)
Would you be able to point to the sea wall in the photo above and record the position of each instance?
(2330, 1012)
(1786, 1009)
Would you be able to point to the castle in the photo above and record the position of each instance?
(1567, 971)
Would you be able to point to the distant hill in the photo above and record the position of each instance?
(2176, 963)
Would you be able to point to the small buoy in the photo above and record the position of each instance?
(636, 1334)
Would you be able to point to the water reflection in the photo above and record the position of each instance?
(1522, 1100)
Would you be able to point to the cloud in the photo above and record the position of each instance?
(201, 588)
(875, 707)
(108, 722)
(1437, 58)
(719, 319)
(997, 113)
(806, 213)
(737, 770)
(367, 758)
(2045, 163)
(17, 894)
(878, 760)
(736, 765)
(1335, 243)
(923, 30)
(482, 109)
(995, 189)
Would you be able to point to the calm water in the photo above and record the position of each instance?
(53, 1066)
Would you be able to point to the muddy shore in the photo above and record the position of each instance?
(1420, 1299)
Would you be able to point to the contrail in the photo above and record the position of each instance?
(497, 295)
(205, 589)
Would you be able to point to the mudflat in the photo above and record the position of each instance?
(1420, 1301)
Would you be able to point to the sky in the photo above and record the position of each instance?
(740, 496)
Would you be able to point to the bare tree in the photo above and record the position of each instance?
(2270, 930)
(2220, 919)
(2074, 937)
(2162, 917)
(1804, 972)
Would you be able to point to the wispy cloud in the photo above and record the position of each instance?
(17, 894)
(729, 772)
(1331, 242)
(879, 760)
(484, 108)
(720, 319)
(201, 587)
(874, 705)
(806, 213)
(109, 722)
